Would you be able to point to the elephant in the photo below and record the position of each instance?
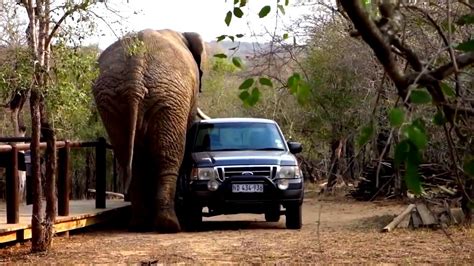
(146, 95)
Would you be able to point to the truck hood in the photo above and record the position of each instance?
(224, 158)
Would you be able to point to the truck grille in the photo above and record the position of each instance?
(230, 171)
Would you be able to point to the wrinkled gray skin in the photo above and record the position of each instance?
(146, 96)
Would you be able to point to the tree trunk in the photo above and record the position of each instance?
(334, 166)
(350, 158)
(37, 217)
(47, 131)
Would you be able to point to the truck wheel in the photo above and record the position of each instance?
(294, 216)
(192, 217)
(273, 214)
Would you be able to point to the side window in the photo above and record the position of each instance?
(202, 140)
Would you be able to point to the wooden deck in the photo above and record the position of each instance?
(82, 213)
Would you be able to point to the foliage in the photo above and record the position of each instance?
(15, 71)
(69, 97)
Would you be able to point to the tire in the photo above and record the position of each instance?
(294, 217)
(192, 217)
(273, 214)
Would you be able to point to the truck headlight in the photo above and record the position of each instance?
(289, 172)
(282, 184)
(204, 173)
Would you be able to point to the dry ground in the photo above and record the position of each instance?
(348, 232)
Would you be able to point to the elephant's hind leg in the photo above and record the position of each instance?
(166, 135)
(141, 219)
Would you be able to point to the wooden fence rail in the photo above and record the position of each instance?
(11, 162)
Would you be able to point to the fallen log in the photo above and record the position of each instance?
(398, 219)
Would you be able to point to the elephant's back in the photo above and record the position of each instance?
(148, 55)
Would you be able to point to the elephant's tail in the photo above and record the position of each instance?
(120, 121)
(131, 125)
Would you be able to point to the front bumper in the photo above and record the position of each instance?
(224, 201)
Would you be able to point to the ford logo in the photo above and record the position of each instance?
(247, 173)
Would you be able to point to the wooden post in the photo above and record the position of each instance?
(29, 178)
(100, 178)
(64, 180)
(115, 187)
(12, 187)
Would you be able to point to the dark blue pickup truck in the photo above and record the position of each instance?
(240, 165)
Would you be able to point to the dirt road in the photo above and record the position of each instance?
(348, 232)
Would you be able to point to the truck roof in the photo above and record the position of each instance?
(237, 120)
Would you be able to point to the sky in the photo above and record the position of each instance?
(205, 17)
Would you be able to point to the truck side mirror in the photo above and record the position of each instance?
(295, 147)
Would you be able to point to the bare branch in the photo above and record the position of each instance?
(411, 57)
(462, 61)
(432, 22)
(61, 20)
(372, 36)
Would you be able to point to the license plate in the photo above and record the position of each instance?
(247, 188)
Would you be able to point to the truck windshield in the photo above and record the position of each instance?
(238, 136)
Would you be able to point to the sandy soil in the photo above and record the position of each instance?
(334, 231)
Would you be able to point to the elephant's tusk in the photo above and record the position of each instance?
(202, 115)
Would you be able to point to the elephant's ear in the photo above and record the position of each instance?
(197, 48)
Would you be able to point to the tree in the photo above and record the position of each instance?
(379, 24)
(43, 27)
(15, 68)
(392, 31)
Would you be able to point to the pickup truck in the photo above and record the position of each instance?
(239, 165)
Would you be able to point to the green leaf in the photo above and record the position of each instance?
(365, 134)
(293, 82)
(237, 61)
(244, 95)
(396, 117)
(246, 84)
(228, 18)
(468, 167)
(220, 55)
(287, 2)
(439, 119)
(220, 38)
(420, 123)
(447, 90)
(282, 9)
(401, 152)
(239, 35)
(254, 97)
(420, 96)
(266, 82)
(466, 19)
(236, 2)
(264, 11)
(367, 4)
(238, 12)
(302, 92)
(413, 178)
(231, 38)
(243, 3)
(413, 154)
(285, 36)
(417, 135)
(466, 46)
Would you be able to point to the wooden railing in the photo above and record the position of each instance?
(64, 174)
